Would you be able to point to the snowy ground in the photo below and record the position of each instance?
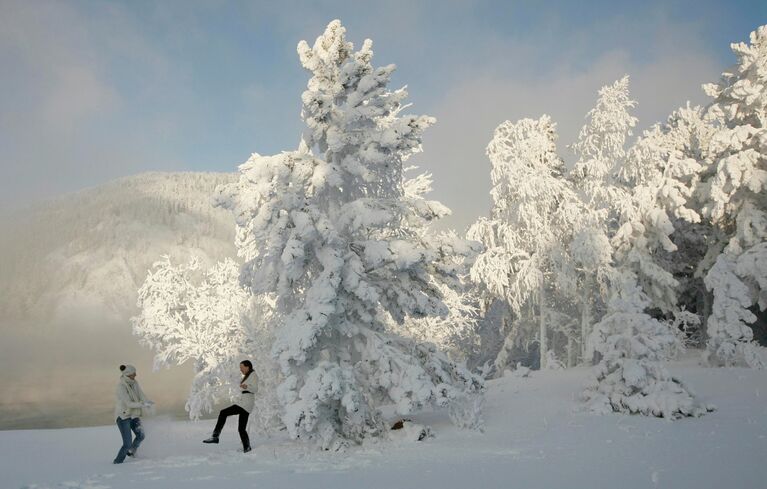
(535, 438)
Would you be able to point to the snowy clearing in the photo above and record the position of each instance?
(535, 438)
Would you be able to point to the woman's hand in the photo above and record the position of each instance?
(243, 386)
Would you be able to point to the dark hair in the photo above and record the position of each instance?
(248, 364)
(122, 367)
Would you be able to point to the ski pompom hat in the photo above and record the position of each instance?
(128, 370)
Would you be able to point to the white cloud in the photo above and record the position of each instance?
(454, 149)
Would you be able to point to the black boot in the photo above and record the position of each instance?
(212, 439)
(245, 439)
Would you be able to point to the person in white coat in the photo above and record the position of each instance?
(242, 407)
(130, 404)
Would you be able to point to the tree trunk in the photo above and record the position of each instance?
(704, 315)
(571, 354)
(542, 325)
(585, 320)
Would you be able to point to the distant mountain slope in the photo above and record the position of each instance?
(69, 272)
(90, 250)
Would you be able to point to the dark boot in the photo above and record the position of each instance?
(242, 428)
(212, 439)
(245, 439)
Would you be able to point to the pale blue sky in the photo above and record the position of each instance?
(93, 90)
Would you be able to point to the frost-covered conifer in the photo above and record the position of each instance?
(524, 236)
(665, 159)
(601, 149)
(630, 377)
(601, 152)
(661, 176)
(330, 231)
(737, 282)
(664, 169)
(733, 192)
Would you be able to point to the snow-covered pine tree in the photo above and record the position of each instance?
(735, 202)
(630, 377)
(191, 314)
(663, 169)
(524, 236)
(661, 176)
(666, 158)
(665, 166)
(601, 151)
(329, 230)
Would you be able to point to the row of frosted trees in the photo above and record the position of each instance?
(561, 241)
(349, 300)
(603, 261)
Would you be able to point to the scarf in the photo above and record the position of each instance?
(246, 377)
(133, 389)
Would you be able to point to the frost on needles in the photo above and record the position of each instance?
(630, 376)
(735, 204)
(330, 232)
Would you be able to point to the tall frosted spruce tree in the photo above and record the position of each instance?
(329, 230)
(664, 168)
(735, 204)
(601, 150)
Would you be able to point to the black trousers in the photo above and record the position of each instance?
(242, 423)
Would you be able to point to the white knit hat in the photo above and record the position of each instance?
(128, 370)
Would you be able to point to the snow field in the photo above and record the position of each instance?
(537, 436)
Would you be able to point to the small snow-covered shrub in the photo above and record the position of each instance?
(630, 377)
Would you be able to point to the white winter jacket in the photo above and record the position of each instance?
(247, 400)
(130, 400)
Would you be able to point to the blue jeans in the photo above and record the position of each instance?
(125, 426)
